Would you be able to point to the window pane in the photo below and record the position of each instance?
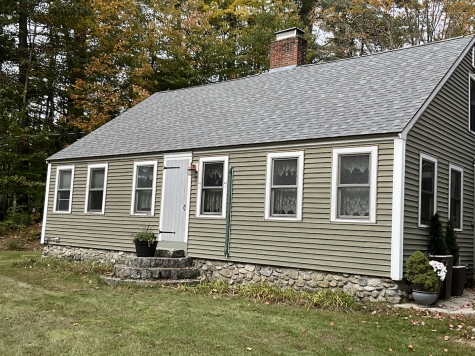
(63, 200)
(472, 104)
(455, 184)
(354, 201)
(455, 213)
(284, 172)
(284, 201)
(427, 207)
(427, 176)
(143, 200)
(95, 200)
(97, 178)
(213, 174)
(354, 169)
(144, 176)
(64, 179)
(212, 201)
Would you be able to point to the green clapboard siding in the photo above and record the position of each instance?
(113, 230)
(442, 132)
(314, 242)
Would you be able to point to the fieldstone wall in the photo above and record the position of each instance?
(363, 288)
(86, 254)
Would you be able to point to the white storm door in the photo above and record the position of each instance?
(175, 198)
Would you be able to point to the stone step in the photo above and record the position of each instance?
(170, 253)
(127, 272)
(165, 282)
(164, 262)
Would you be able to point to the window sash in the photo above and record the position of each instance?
(64, 189)
(360, 209)
(427, 196)
(456, 196)
(143, 189)
(212, 194)
(472, 104)
(96, 196)
(279, 204)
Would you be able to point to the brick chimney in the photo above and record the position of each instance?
(289, 49)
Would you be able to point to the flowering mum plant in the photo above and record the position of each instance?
(439, 269)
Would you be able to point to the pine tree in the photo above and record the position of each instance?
(451, 240)
(437, 245)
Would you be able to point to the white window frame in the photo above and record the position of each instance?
(55, 205)
(470, 78)
(86, 203)
(300, 163)
(134, 187)
(203, 160)
(459, 169)
(373, 183)
(426, 157)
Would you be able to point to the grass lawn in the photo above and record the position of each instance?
(44, 311)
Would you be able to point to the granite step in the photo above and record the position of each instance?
(152, 273)
(164, 262)
(160, 282)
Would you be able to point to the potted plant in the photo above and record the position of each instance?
(438, 251)
(459, 272)
(145, 242)
(423, 278)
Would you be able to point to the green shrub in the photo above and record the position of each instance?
(16, 244)
(437, 245)
(145, 234)
(420, 273)
(451, 240)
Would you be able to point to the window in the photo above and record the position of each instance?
(96, 188)
(427, 189)
(472, 104)
(143, 190)
(354, 176)
(212, 185)
(456, 196)
(284, 186)
(64, 189)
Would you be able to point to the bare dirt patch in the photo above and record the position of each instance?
(24, 239)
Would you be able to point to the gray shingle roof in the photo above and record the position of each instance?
(375, 94)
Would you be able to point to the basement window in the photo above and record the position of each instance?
(96, 188)
(64, 189)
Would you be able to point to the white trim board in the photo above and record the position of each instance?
(45, 209)
(397, 229)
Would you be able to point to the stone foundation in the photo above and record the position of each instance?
(87, 254)
(363, 288)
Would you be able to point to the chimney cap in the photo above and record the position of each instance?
(289, 32)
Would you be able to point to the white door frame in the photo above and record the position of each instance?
(185, 155)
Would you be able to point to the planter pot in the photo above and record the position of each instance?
(458, 280)
(143, 249)
(448, 261)
(424, 298)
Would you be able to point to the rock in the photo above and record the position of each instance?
(322, 284)
(292, 273)
(369, 289)
(267, 271)
(363, 282)
(250, 268)
(318, 277)
(225, 273)
(374, 282)
(300, 282)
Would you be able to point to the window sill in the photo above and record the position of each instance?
(61, 212)
(94, 213)
(353, 221)
(211, 216)
(141, 214)
(282, 218)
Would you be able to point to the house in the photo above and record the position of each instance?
(309, 175)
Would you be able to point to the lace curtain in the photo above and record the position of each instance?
(354, 199)
(143, 193)
(212, 193)
(284, 200)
